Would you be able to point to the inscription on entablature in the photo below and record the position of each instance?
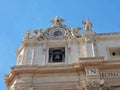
(92, 71)
(110, 75)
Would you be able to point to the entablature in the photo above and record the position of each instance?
(108, 36)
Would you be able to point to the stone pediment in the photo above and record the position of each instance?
(55, 32)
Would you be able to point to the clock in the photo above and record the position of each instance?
(57, 33)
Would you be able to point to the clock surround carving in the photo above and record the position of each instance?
(56, 31)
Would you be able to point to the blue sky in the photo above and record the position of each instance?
(17, 16)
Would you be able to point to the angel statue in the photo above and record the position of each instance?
(87, 25)
(27, 35)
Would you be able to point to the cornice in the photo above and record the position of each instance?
(38, 69)
(108, 36)
(61, 68)
(99, 62)
(91, 61)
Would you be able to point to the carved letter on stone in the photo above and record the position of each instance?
(92, 71)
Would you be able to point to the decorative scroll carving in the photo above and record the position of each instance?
(74, 32)
(57, 21)
(70, 33)
(38, 34)
(96, 85)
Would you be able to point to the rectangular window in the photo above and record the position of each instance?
(114, 53)
(56, 55)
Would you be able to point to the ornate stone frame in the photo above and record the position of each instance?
(108, 53)
(53, 46)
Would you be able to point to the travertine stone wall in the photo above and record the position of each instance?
(38, 54)
(104, 45)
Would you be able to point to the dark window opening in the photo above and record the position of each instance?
(57, 54)
(113, 53)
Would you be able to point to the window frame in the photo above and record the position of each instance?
(53, 50)
(113, 49)
(47, 56)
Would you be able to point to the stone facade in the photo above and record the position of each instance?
(61, 58)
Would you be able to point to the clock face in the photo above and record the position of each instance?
(57, 33)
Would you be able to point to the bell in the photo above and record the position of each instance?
(57, 57)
